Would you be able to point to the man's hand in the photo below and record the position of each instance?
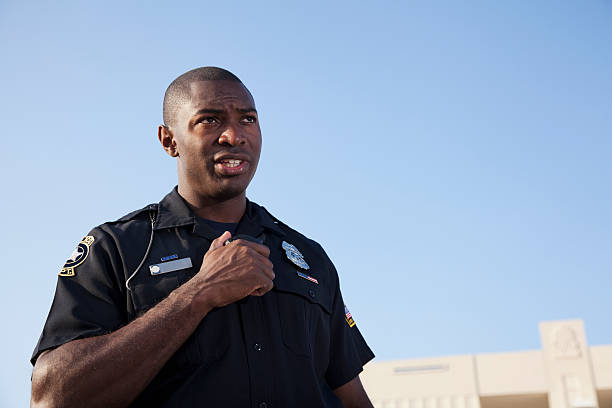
(234, 271)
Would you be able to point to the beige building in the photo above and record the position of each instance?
(566, 373)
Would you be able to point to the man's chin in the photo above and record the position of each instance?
(228, 192)
(219, 189)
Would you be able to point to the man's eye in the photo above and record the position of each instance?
(208, 120)
(249, 119)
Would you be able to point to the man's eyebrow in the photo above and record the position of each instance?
(209, 110)
(220, 111)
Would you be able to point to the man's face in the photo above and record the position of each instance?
(218, 139)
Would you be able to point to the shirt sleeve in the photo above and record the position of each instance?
(349, 351)
(89, 297)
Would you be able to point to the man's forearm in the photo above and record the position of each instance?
(111, 370)
(353, 395)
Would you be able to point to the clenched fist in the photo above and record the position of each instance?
(234, 271)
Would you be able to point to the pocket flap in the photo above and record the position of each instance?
(289, 279)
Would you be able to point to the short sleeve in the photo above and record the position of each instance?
(349, 351)
(89, 297)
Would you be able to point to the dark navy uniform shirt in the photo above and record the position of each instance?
(288, 348)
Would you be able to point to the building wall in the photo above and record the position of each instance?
(566, 373)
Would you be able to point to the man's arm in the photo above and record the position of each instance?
(111, 370)
(353, 395)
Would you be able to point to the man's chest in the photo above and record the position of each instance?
(262, 346)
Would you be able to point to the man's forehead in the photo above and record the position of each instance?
(220, 92)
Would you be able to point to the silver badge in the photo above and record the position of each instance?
(295, 256)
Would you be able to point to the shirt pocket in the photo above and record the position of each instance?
(151, 290)
(206, 344)
(304, 313)
(156, 280)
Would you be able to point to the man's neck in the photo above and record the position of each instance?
(230, 210)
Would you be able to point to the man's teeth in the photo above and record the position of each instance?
(232, 163)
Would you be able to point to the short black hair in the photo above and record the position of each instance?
(178, 91)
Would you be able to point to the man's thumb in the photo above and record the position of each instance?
(220, 240)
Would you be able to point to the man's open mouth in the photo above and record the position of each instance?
(231, 166)
(231, 163)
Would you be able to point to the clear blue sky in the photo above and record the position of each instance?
(453, 159)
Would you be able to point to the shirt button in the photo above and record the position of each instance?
(311, 293)
(263, 405)
(258, 347)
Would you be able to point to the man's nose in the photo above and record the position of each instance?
(232, 136)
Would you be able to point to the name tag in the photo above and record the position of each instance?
(171, 266)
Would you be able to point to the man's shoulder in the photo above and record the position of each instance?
(135, 222)
(144, 213)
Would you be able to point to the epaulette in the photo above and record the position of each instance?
(282, 224)
(276, 220)
(151, 209)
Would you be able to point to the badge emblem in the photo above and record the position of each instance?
(78, 256)
(295, 256)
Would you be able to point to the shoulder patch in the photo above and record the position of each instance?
(348, 317)
(78, 256)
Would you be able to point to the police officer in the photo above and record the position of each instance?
(204, 299)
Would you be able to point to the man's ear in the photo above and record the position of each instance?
(166, 138)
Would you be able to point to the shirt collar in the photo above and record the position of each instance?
(173, 211)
